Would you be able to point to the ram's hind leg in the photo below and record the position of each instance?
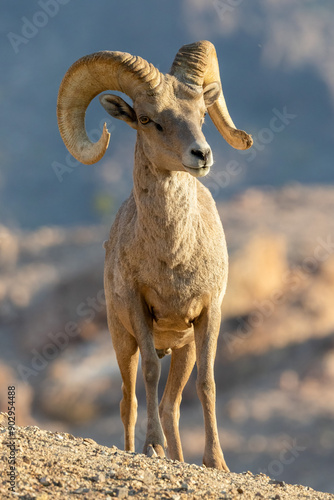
(181, 366)
(127, 354)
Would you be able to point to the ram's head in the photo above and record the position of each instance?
(168, 110)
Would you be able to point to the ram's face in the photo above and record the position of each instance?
(169, 124)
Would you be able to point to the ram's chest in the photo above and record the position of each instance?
(173, 277)
(180, 290)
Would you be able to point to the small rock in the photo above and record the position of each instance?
(99, 478)
(89, 441)
(81, 490)
(26, 459)
(45, 481)
(278, 483)
(277, 497)
(33, 428)
(184, 487)
(58, 436)
(240, 490)
(42, 496)
(122, 492)
(148, 477)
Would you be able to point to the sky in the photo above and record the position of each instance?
(276, 59)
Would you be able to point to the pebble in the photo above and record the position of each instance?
(45, 481)
(42, 496)
(122, 492)
(275, 481)
(87, 441)
(148, 477)
(99, 478)
(81, 490)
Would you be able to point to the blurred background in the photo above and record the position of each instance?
(275, 359)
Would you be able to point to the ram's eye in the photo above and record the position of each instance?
(144, 120)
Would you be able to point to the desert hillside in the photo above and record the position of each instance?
(59, 466)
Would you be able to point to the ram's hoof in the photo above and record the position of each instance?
(155, 451)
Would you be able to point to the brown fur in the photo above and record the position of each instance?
(165, 277)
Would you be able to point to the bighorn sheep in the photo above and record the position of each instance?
(166, 259)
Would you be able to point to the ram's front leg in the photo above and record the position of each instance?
(142, 324)
(206, 335)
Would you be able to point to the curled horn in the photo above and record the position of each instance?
(197, 64)
(85, 79)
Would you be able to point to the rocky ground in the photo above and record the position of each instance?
(58, 465)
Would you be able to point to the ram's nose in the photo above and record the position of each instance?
(197, 160)
(202, 154)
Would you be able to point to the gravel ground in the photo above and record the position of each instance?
(60, 466)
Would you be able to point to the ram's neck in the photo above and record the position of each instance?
(167, 210)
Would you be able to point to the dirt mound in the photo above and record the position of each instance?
(60, 466)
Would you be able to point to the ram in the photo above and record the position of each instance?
(166, 260)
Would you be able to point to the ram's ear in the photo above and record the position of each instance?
(211, 93)
(120, 109)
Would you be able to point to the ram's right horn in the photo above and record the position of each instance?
(197, 64)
